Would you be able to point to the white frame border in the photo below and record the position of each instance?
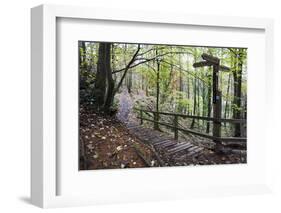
(43, 91)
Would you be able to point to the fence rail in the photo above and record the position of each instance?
(176, 128)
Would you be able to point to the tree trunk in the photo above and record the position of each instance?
(188, 95)
(180, 108)
(110, 88)
(198, 102)
(82, 53)
(194, 93)
(237, 77)
(227, 94)
(194, 103)
(103, 75)
(209, 102)
(156, 125)
(129, 81)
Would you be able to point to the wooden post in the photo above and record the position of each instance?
(141, 120)
(216, 107)
(215, 62)
(176, 127)
(217, 116)
(156, 120)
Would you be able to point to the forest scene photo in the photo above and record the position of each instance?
(155, 105)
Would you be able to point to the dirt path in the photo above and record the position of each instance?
(125, 106)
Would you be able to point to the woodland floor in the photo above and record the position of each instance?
(107, 144)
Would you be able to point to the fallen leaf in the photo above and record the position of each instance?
(96, 155)
(119, 148)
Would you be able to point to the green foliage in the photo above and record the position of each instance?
(182, 87)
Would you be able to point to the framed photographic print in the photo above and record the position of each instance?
(132, 105)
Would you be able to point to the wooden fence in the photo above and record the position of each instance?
(155, 117)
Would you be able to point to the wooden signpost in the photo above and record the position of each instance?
(217, 103)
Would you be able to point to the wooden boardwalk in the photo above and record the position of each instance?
(169, 149)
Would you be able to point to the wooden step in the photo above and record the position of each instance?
(194, 150)
(161, 142)
(180, 148)
(168, 144)
(179, 145)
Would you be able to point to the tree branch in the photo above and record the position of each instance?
(194, 75)
(231, 50)
(147, 60)
(126, 69)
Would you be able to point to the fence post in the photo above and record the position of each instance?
(156, 120)
(217, 122)
(141, 120)
(176, 127)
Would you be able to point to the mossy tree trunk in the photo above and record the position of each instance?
(104, 84)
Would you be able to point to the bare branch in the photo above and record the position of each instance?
(195, 76)
(147, 60)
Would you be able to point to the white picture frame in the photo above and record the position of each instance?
(44, 155)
